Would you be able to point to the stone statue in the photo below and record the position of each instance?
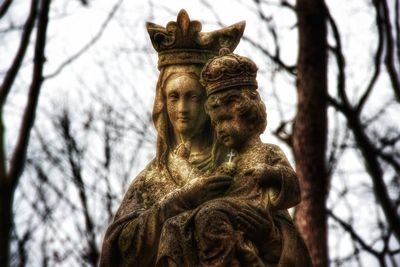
(196, 204)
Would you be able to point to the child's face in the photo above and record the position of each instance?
(231, 129)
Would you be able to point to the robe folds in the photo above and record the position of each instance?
(152, 228)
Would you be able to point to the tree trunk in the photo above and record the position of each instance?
(5, 223)
(310, 128)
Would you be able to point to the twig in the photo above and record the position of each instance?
(390, 56)
(4, 7)
(397, 26)
(377, 62)
(88, 45)
(353, 234)
(23, 45)
(290, 69)
(340, 60)
(18, 158)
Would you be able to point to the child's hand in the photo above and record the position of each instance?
(227, 168)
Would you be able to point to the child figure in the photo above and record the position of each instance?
(263, 177)
(247, 225)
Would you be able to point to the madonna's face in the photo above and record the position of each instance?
(185, 105)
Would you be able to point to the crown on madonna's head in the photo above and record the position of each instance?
(182, 42)
(228, 70)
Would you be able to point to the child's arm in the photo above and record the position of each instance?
(278, 175)
(266, 175)
(288, 191)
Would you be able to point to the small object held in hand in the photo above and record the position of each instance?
(229, 167)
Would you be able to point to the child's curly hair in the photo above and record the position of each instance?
(247, 103)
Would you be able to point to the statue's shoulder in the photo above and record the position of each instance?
(135, 196)
(273, 149)
(274, 154)
(142, 177)
(149, 175)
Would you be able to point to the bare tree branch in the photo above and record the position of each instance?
(84, 2)
(274, 58)
(377, 61)
(354, 235)
(390, 55)
(340, 61)
(366, 146)
(12, 72)
(338, 147)
(374, 169)
(397, 25)
(9, 180)
(16, 64)
(277, 60)
(44, 250)
(22, 250)
(335, 103)
(89, 44)
(45, 180)
(282, 134)
(74, 158)
(18, 157)
(4, 7)
(270, 27)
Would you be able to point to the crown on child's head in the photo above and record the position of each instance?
(228, 70)
(182, 42)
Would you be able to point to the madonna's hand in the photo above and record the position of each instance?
(201, 190)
